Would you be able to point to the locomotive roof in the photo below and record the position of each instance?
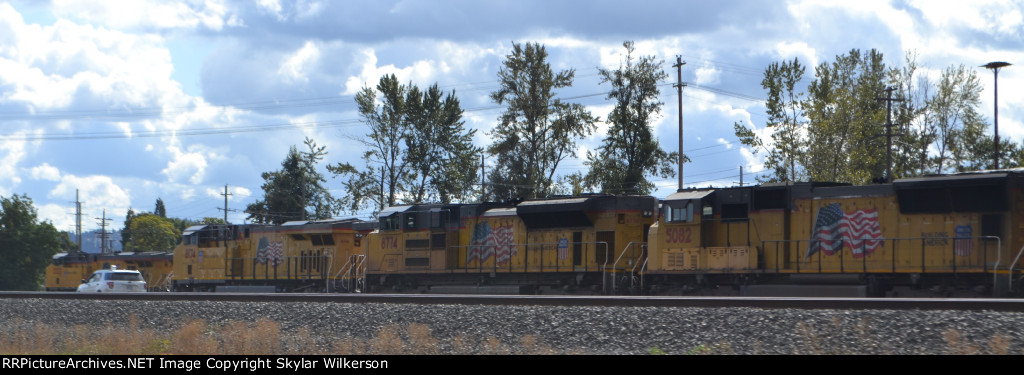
(393, 210)
(953, 180)
(690, 194)
(504, 211)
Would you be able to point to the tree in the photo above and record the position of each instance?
(296, 192)
(126, 233)
(418, 148)
(152, 233)
(536, 131)
(26, 245)
(912, 131)
(784, 108)
(160, 210)
(630, 151)
(845, 116)
(440, 151)
(937, 127)
(957, 125)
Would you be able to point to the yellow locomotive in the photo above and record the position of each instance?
(568, 244)
(310, 256)
(950, 235)
(68, 270)
(932, 236)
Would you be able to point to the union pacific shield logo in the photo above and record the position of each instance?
(963, 244)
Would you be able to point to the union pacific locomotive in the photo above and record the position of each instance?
(950, 235)
(68, 270)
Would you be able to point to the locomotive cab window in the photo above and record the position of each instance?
(388, 223)
(679, 211)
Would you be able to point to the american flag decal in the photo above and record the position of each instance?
(488, 241)
(267, 251)
(833, 229)
(963, 244)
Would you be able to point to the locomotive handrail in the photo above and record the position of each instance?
(633, 272)
(351, 270)
(643, 269)
(604, 272)
(1009, 270)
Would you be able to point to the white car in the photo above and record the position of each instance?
(114, 281)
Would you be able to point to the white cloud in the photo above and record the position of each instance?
(45, 172)
(150, 14)
(419, 71)
(54, 67)
(96, 192)
(185, 166)
(11, 153)
(297, 67)
(800, 50)
(272, 7)
(728, 145)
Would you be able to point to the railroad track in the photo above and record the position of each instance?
(974, 304)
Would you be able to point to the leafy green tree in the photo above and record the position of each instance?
(126, 233)
(26, 245)
(784, 108)
(957, 125)
(537, 131)
(630, 151)
(160, 210)
(844, 141)
(152, 233)
(212, 220)
(440, 151)
(912, 133)
(937, 127)
(297, 191)
(418, 148)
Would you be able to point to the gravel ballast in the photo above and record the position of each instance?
(576, 330)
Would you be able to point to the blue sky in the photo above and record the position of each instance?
(131, 101)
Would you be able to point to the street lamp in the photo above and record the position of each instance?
(995, 66)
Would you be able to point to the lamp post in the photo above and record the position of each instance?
(995, 66)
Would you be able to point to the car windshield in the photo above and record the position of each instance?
(124, 276)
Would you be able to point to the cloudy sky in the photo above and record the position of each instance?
(130, 101)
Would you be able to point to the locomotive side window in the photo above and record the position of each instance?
(991, 225)
(735, 212)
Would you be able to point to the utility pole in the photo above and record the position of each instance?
(382, 203)
(483, 182)
(741, 176)
(679, 89)
(888, 130)
(78, 221)
(103, 232)
(226, 203)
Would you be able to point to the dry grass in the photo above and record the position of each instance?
(196, 337)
